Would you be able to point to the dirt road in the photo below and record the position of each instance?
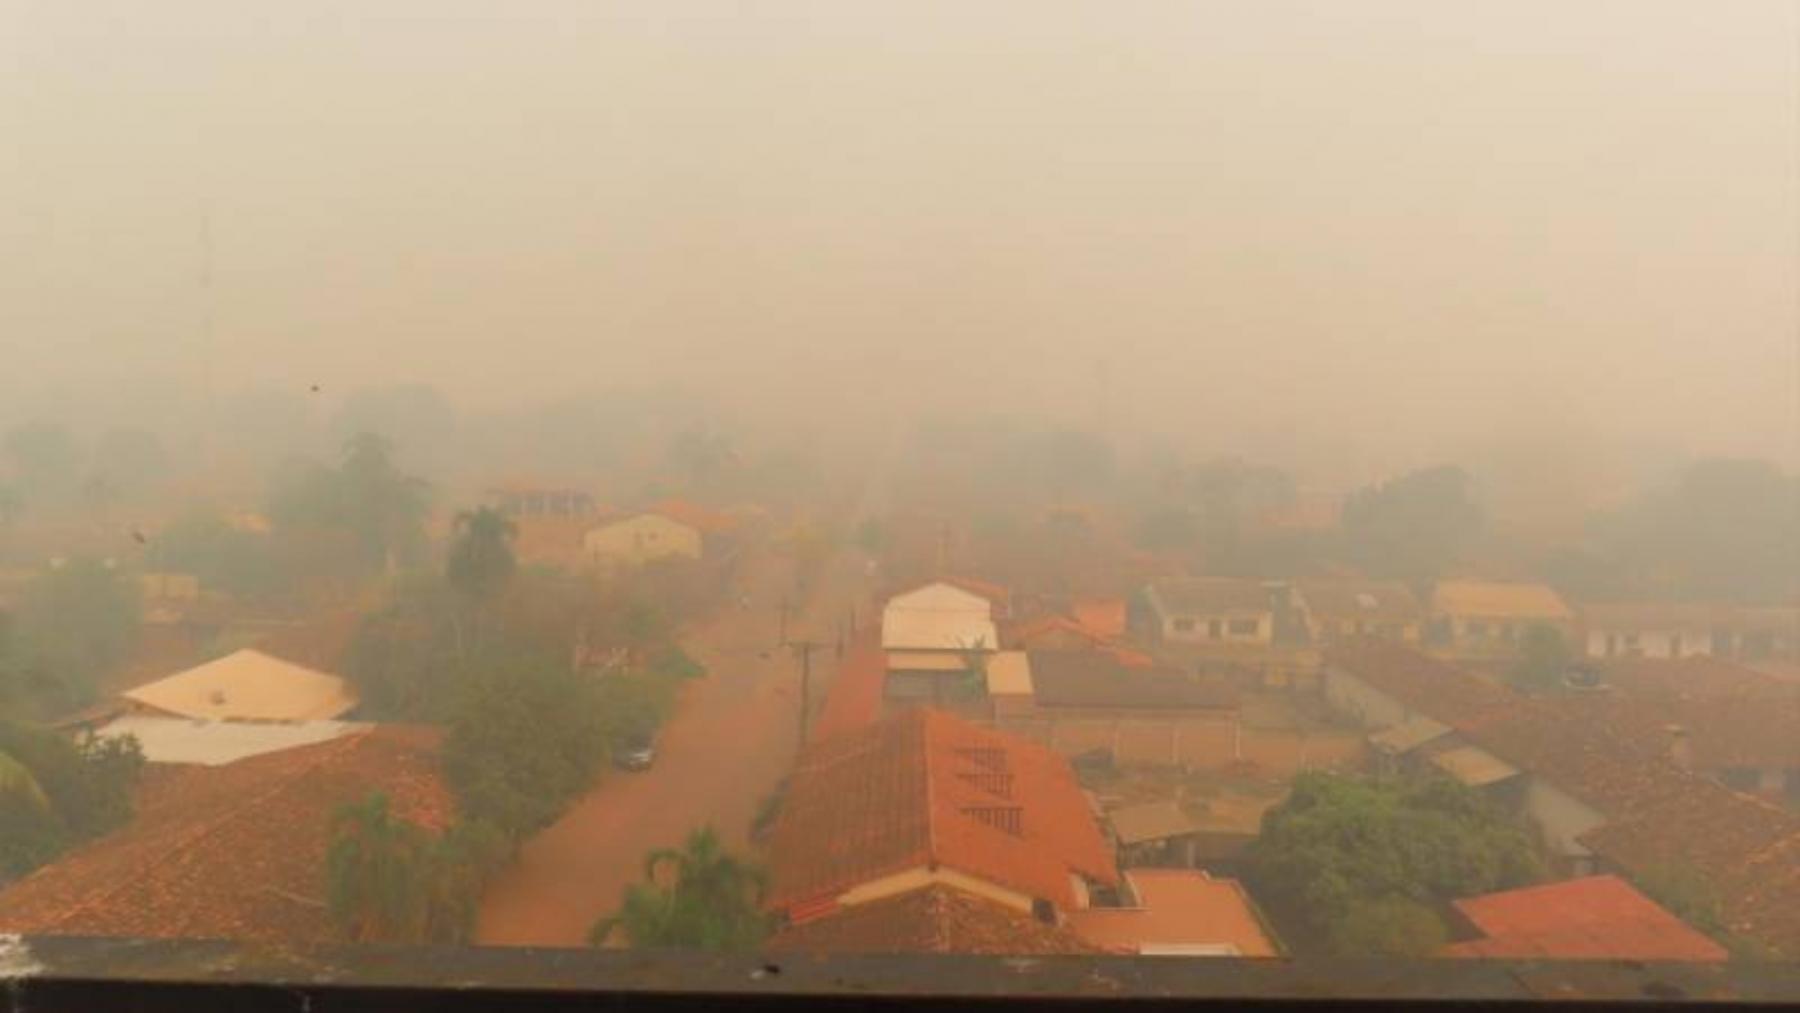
(731, 740)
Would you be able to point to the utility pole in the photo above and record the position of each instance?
(803, 652)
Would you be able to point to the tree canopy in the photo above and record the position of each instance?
(1415, 526)
(55, 793)
(366, 498)
(1725, 529)
(1357, 865)
(74, 624)
(697, 897)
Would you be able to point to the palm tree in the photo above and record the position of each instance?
(699, 897)
(375, 873)
(16, 779)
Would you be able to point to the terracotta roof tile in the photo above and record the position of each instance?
(929, 789)
(934, 919)
(1593, 918)
(1657, 813)
(231, 852)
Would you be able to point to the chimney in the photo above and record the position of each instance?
(1681, 751)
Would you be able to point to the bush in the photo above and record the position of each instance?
(525, 738)
(1343, 856)
(80, 791)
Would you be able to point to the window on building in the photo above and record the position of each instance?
(1245, 627)
(1214, 629)
(1183, 625)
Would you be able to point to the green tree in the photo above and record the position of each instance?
(1341, 854)
(244, 564)
(55, 793)
(375, 873)
(1415, 526)
(1544, 658)
(75, 624)
(481, 556)
(697, 897)
(366, 498)
(525, 738)
(1388, 926)
(17, 781)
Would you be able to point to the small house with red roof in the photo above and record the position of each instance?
(925, 799)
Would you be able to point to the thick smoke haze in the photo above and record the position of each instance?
(1364, 234)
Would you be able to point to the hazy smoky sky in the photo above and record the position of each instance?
(1357, 223)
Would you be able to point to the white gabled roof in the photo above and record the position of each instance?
(248, 686)
(216, 743)
(940, 597)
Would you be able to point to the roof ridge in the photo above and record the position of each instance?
(328, 750)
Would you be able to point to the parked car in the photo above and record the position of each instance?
(635, 754)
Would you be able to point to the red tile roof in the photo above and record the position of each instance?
(702, 519)
(1594, 918)
(1178, 908)
(1104, 616)
(231, 852)
(1658, 815)
(926, 789)
(1022, 633)
(854, 700)
(934, 919)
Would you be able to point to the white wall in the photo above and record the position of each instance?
(1201, 632)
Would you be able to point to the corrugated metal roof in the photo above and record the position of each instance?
(1474, 767)
(1408, 735)
(1151, 821)
(215, 743)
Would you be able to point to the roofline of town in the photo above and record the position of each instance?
(47, 973)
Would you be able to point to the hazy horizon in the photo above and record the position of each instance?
(1368, 234)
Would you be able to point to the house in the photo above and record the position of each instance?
(1484, 618)
(1735, 724)
(1210, 611)
(930, 636)
(217, 743)
(925, 799)
(639, 539)
(1079, 703)
(1335, 609)
(234, 851)
(1104, 617)
(1055, 632)
(1177, 913)
(1678, 630)
(246, 685)
(527, 500)
(935, 919)
(1592, 918)
(1607, 790)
